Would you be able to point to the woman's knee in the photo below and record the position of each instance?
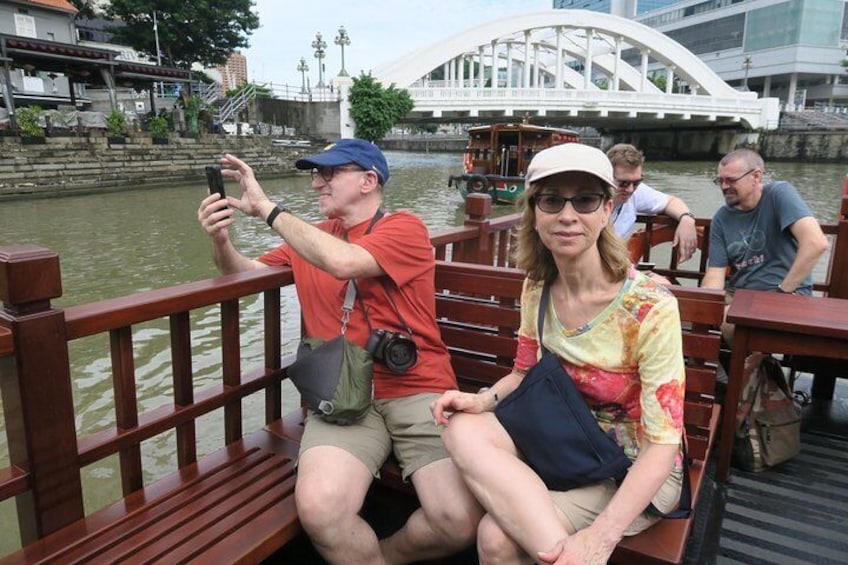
(463, 436)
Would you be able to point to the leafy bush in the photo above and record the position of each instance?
(116, 124)
(376, 109)
(28, 121)
(158, 126)
(193, 106)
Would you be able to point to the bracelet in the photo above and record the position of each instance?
(687, 213)
(494, 394)
(273, 215)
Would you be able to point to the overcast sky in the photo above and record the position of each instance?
(379, 31)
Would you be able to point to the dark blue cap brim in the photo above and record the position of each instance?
(334, 158)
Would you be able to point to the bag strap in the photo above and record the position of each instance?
(684, 507)
(543, 307)
(350, 294)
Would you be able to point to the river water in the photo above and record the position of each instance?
(118, 243)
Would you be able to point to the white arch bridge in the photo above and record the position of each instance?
(575, 67)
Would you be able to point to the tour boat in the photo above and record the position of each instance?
(497, 156)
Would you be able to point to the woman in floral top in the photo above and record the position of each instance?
(617, 333)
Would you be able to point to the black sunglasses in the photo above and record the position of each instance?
(582, 203)
(327, 173)
(626, 183)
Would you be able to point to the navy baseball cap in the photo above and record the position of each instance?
(344, 151)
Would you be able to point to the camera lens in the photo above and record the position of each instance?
(400, 354)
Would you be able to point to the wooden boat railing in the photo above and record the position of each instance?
(659, 230)
(46, 454)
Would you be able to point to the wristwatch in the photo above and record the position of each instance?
(274, 213)
(494, 394)
(687, 213)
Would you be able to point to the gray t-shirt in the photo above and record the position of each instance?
(757, 244)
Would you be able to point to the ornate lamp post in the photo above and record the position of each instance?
(303, 68)
(319, 45)
(342, 40)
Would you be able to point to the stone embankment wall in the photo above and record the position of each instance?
(70, 165)
(810, 146)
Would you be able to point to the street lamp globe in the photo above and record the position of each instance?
(342, 40)
(320, 47)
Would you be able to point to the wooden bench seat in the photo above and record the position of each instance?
(235, 505)
(480, 331)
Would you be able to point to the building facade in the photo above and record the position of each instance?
(234, 72)
(43, 63)
(790, 49)
(624, 8)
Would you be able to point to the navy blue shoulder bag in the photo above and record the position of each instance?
(553, 428)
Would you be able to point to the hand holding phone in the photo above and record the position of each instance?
(215, 180)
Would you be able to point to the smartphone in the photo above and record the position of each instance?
(215, 180)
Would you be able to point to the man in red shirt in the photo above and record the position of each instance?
(393, 266)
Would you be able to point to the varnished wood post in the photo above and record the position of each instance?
(478, 208)
(37, 400)
(838, 275)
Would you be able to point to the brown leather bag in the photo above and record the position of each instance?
(768, 420)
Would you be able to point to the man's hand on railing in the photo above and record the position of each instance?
(685, 238)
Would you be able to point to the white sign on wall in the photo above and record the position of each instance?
(33, 84)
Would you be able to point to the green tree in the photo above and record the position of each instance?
(376, 109)
(658, 80)
(202, 31)
(86, 8)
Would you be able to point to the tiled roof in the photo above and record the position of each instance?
(58, 4)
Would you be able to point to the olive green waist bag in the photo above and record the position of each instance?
(334, 378)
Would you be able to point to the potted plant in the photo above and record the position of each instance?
(158, 128)
(28, 119)
(116, 127)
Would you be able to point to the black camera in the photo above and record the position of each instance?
(397, 351)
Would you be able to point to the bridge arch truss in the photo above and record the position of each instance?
(572, 66)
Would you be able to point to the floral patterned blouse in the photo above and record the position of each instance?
(627, 362)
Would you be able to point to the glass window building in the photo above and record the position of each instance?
(790, 49)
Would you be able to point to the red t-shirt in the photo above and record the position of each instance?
(400, 244)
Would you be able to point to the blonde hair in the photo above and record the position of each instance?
(537, 260)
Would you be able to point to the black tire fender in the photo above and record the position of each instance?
(478, 184)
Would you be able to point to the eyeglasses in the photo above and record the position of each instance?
(327, 173)
(582, 203)
(626, 183)
(721, 181)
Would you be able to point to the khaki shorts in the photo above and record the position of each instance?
(582, 505)
(403, 426)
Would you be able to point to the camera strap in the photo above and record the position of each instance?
(350, 294)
